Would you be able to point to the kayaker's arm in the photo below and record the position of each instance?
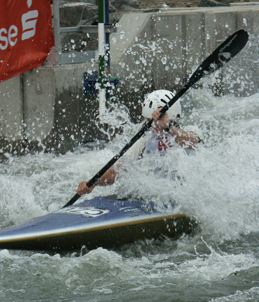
(185, 139)
(108, 178)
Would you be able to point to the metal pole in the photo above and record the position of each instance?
(57, 28)
(107, 36)
(101, 50)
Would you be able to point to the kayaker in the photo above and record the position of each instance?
(165, 133)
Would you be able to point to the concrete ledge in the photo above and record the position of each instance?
(38, 87)
(170, 44)
(46, 109)
(11, 112)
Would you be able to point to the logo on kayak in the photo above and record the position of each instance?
(85, 211)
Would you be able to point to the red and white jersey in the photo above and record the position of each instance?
(149, 143)
(159, 144)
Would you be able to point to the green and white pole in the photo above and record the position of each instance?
(102, 62)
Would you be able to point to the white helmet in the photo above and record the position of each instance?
(159, 98)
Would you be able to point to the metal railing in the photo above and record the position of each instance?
(73, 56)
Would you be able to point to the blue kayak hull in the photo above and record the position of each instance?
(101, 221)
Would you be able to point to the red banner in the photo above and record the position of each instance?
(25, 35)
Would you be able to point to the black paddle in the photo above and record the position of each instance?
(225, 52)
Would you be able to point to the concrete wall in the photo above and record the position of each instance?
(46, 108)
(168, 46)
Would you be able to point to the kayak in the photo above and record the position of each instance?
(99, 222)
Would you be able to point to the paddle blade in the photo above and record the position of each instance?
(224, 53)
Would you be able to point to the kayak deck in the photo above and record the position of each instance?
(101, 221)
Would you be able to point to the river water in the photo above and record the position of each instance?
(220, 188)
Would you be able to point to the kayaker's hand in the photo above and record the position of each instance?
(83, 189)
(156, 115)
(163, 121)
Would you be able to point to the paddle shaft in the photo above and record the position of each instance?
(226, 51)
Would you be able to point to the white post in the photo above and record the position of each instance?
(101, 50)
